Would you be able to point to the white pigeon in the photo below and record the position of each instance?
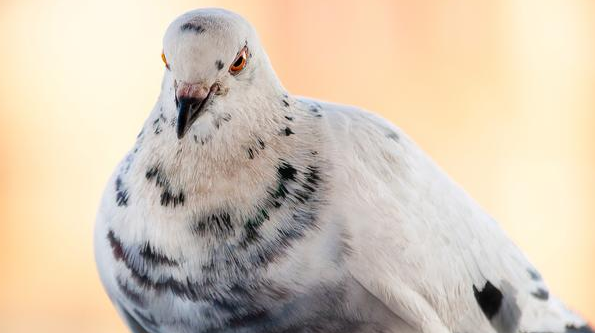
(242, 208)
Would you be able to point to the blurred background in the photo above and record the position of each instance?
(500, 93)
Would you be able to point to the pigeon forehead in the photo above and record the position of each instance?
(199, 39)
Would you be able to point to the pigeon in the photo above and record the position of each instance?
(243, 208)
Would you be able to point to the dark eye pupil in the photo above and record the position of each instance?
(238, 62)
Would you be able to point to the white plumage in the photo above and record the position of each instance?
(244, 209)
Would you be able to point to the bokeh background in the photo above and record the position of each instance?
(500, 93)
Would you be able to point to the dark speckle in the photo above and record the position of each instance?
(121, 193)
(489, 299)
(167, 196)
(261, 143)
(315, 109)
(285, 103)
(250, 153)
(289, 118)
(541, 294)
(312, 175)
(219, 64)
(157, 123)
(286, 171)
(218, 225)
(287, 131)
(190, 26)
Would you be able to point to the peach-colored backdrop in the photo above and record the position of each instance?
(500, 93)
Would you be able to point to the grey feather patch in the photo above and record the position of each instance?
(134, 325)
(541, 294)
(393, 136)
(580, 329)
(133, 296)
(535, 276)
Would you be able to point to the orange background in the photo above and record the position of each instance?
(500, 93)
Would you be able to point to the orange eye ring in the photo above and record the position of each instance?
(164, 60)
(240, 62)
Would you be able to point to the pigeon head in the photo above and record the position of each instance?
(214, 61)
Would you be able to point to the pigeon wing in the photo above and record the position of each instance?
(423, 246)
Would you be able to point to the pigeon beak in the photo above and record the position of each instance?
(191, 100)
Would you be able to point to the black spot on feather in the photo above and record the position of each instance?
(286, 171)
(175, 199)
(261, 143)
(167, 195)
(157, 124)
(287, 131)
(315, 108)
(285, 103)
(190, 26)
(289, 118)
(489, 299)
(219, 64)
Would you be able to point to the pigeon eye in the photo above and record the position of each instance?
(164, 60)
(239, 63)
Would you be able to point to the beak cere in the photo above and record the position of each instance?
(191, 100)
